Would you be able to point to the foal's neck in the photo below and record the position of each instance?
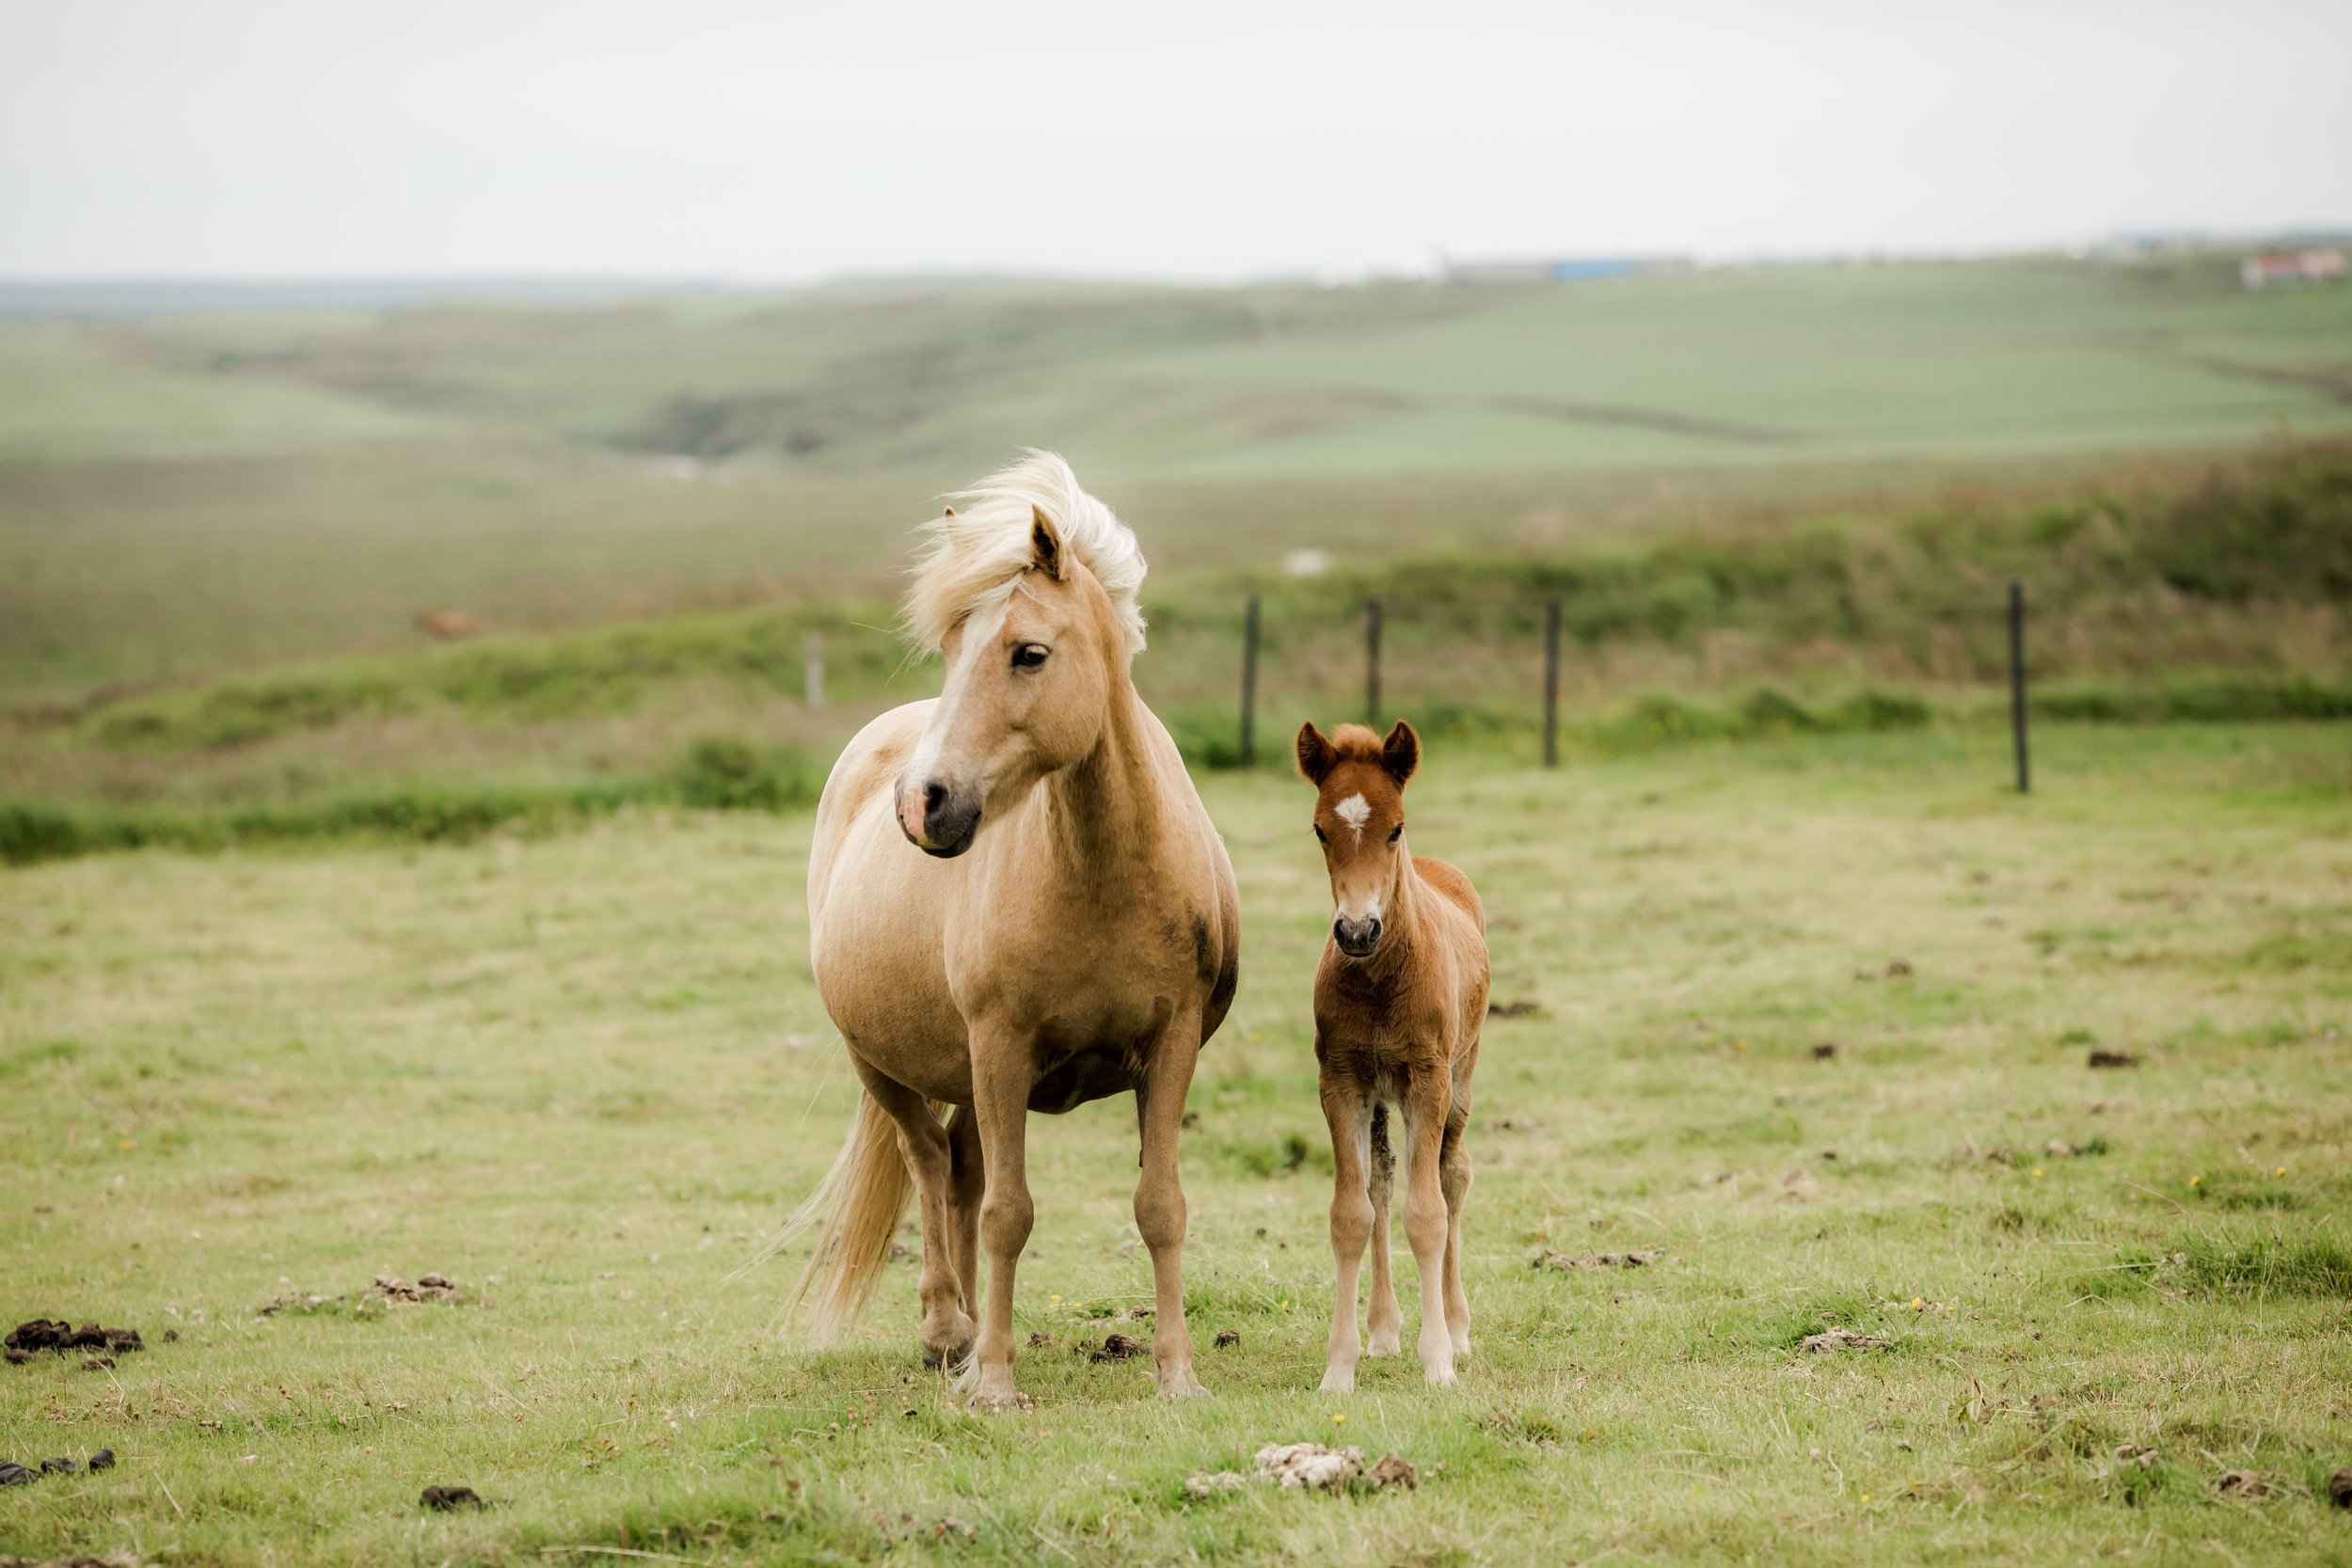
(1106, 807)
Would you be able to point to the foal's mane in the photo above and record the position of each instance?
(972, 558)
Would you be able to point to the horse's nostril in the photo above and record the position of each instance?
(934, 797)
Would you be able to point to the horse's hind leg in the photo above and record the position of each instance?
(1454, 1178)
(1385, 1327)
(946, 1331)
(966, 1177)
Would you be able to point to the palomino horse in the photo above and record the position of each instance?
(1399, 997)
(1016, 903)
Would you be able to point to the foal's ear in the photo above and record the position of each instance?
(1044, 544)
(1316, 757)
(1400, 753)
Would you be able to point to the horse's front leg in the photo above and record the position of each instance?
(1002, 1078)
(1160, 1196)
(1428, 1223)
(1352, 1216)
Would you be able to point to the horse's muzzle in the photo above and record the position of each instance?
(937, 819)
(1357, 939)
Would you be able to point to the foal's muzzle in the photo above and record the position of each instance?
(1357, 939)
(938, 818)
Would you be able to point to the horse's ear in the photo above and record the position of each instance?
(1400, 753)
(949, 513)
(1316, 757)
(1044, 544)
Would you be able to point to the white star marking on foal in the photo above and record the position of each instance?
(1353, 811)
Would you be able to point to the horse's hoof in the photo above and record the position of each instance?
(1338, 1380)
(1181, 1385)
(1000, 1404)
(952, 1355)
(1440, 1377)
(1385, 1342)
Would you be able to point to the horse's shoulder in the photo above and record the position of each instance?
(1450, 880)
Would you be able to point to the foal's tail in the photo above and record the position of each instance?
(855, 1211)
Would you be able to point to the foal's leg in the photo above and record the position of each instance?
(966, 1173)
(1349, 1118)
(1160, 1199)
(946, 1331)
(1000, 1104)
(1454, 1177)
(1386, 1324)
(1427, 1225)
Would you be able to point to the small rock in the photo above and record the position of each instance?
(1824, 1050)
(1119, 1346)
(1208, 1483)
(2340, 1489)
(2242, 1484)
(1395, 1470)
(1227, 1338)
(1309, 1464)
(441, 1499)
(2059, 1149)
(102, 1460)
(1040, 1340)
(2106, 1056)
(1840, 1339)
(58, 1467)
(13, 1473)
(1142, 1314)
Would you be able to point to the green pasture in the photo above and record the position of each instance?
(180, 497)
(581, 1073)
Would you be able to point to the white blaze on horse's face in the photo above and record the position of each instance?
(1026, 683)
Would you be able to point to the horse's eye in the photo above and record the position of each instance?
(1319, 838)
(1396, 832)
(1029, 655)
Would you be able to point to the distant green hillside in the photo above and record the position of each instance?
(1774, 365)
(187, 495)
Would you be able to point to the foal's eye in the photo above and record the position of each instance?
(1396, 832)
(1029, 655)
(1319, 838)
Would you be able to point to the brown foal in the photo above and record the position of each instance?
(1400, 996)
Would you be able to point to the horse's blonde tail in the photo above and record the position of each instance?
(855, 1213)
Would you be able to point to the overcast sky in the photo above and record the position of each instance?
(782, 141)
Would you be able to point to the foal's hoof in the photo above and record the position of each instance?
(1440, 1377)
(1338, 1380)
(950, 1355)
(1385, 1341)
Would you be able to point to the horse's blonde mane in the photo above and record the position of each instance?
(973, 557)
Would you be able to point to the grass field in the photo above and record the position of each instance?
(580, 1074)
(180, 497)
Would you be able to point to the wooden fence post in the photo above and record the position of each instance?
(812, 651)
(1249, 685)
(1372, 662)
(2017, 682)
(1551, 683)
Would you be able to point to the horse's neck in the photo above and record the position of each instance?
(1405, 918)
(1105, 810)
